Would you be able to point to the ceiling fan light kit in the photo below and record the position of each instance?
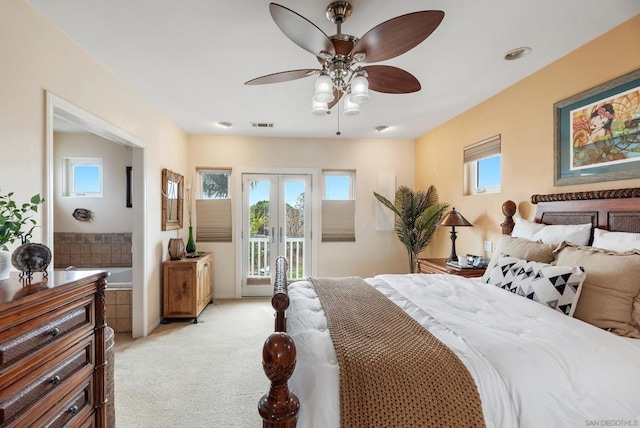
(350, 108)
(360, 90)
(319, 109)
(340, 55)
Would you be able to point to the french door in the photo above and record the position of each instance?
(276, 221)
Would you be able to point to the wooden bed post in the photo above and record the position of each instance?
(279, 408)
(509, 210)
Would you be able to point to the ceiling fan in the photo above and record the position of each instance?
(340, 55)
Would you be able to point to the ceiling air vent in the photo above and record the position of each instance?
(262, 124)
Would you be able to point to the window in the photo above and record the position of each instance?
(213, 207)
(338, 185)
(338, 207)
(83, 177)
(214, 184)
(482, 166)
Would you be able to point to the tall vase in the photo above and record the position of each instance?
(191, 244)
(5, 264)
(176, 248)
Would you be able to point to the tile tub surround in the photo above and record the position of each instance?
(118, 310)
(91, 249)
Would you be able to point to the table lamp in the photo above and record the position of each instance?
(453, 219)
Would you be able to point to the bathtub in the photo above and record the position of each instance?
(118, 297)
(119, 277)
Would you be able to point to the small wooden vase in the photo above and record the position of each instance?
(176, 248)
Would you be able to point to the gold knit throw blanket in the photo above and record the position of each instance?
(393, 372)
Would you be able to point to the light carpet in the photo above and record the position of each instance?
(196, 375)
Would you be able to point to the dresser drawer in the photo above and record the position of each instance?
(72, 410)
(49, 328)
(43, 387)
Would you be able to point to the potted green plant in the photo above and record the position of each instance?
(16, 224)
(417, 216)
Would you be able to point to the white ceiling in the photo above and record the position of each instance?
(190, 58)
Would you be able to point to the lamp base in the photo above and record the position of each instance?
(453, 257)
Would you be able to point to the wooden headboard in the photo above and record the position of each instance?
(615, 210)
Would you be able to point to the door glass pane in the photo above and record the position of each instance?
(259, 228)
(294, 238)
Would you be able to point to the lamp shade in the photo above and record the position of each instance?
(324, 89)
(319, 109)
(360, 90)
(350, 108)
(454, 218)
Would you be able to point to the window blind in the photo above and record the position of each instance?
(213, 220)
(483, 149)
(338, 221)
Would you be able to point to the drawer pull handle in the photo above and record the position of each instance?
(54, 332)
(55, 380)
(73, 410)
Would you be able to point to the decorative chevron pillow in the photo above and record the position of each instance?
(555, 286)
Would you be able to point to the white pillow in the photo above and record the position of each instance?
(577, 234)
(558, 287)
(525, 229)
(616, 241)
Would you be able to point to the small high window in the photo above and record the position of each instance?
(482, 167)
(83, 177)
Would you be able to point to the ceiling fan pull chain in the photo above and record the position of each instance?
(338, 133)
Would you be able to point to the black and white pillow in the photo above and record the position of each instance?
(555, 286)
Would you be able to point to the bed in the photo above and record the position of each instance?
(532, 366)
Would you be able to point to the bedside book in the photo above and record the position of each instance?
(456, 265)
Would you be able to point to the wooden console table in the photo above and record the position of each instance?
(188, 287)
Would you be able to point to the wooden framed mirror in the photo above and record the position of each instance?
(172, 200)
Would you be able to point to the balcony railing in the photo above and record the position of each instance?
(259, 257)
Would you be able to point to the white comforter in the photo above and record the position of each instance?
(534, 366)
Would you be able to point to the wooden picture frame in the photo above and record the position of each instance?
(172, 200)
(597, 133)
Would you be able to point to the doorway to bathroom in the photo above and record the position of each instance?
(77, 228)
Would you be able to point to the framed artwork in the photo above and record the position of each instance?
(597, 133)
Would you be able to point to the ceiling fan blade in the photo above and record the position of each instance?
(283, 76)
(398, 35)
(391, 80)
(301, 31)
(337, 95)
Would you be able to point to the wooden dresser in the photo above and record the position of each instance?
(441, 266)
(52, 350)
(187, 287)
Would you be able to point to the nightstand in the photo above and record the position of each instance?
(441, 266)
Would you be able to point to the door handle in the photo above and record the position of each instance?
(273, 232)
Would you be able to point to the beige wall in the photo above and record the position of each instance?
(36, 57)
(373, 252)
(111, 214)
(523, 115)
